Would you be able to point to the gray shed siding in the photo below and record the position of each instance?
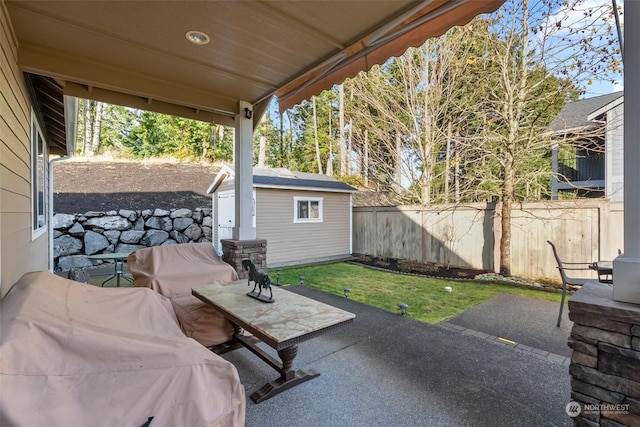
(289, 242)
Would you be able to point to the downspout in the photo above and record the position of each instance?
(70, 120)
(350, 223)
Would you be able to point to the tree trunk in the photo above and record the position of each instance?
(262, 154)
(447, 168)
(350, 148)
(94, 145)
(365, 165)
(342, 148)
(88, 124)
(330, 159)
(398, 161)
(507, 202)
(456, 169)
(281, 160)
(315, 134)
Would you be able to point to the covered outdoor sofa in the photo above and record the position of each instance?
(172, 271)
(73, 354)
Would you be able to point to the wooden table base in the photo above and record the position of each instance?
(278, 386)
(289, 377)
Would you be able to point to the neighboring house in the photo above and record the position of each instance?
(304, 217)
(591, 164)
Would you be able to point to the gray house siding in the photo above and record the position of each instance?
(615, 153)
(595, 168)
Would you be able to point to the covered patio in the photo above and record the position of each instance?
(222, 62)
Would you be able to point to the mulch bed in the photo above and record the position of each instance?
(414, 267)
(440, 271)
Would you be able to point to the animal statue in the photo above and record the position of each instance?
(260, 280)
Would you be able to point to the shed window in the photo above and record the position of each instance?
(307, 209)
(38, 179)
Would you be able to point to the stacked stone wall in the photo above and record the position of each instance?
(78, 236)
(605, 362)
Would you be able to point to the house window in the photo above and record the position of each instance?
(38, 179)
(307, 209)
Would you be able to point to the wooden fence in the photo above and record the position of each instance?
(468, 236)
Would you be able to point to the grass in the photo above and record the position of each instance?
(426, 297)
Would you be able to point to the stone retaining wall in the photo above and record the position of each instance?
(605, 363)
(80, 235)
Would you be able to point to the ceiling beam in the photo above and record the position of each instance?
(71, 68)
(142, 103)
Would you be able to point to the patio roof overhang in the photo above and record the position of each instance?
(136, 53)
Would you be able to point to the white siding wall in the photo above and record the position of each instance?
(18, 253)
(289, 242)
(615, 154)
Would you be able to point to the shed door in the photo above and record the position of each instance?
(226, 216)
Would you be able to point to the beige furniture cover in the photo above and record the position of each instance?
(172, 271)
(73, 354)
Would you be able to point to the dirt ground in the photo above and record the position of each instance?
(83, 186)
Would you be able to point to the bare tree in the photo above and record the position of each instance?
(538, 55)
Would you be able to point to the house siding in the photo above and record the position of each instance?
(289, 242)
(615, 154)
(19, 253)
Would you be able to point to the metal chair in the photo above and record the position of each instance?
(566, 280)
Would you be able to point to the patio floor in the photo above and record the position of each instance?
(386, 369)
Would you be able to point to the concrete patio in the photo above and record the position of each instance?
(501, 363)
(386, 369)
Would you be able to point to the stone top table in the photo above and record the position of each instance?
(282, 325)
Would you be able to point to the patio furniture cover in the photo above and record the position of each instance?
(73, 354)
(172, 271)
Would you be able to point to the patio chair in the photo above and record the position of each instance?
(566, 280)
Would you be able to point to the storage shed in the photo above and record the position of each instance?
(304, 217)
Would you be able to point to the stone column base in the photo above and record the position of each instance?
(605, 361)
(236, 251)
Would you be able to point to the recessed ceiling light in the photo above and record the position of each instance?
(197, 37)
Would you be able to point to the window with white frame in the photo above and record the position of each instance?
(307, 209)
(38, 179)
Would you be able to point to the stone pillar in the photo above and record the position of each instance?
(236, 251)
(605, 362)
(626, 268)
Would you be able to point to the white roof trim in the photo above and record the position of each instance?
(223, 173)
(613, 104)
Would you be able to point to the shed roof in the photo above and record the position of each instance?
(285, 178)
(575, 115)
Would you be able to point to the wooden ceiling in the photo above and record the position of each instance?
(135, 53)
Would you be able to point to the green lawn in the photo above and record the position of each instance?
(427, 299)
